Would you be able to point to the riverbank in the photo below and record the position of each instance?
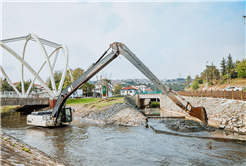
(86, 143)
(116, 114)
(222, 113)
(9, 108)
(16, 152)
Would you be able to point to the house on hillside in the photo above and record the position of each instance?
(148, 89)
(129, 90)
(141, 88)
(39, 88)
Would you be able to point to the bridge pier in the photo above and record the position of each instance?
(144, 99)
(52, 103)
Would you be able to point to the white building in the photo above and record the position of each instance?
(98, 90)
(129, 90)
(78, 93)
(142, 88)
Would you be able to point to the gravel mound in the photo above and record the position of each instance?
(117, 114)
(182, 125)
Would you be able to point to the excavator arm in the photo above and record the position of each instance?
(117, 49)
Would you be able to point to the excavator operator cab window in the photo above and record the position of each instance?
(67, 114)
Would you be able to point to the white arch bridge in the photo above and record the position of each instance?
(54, 92)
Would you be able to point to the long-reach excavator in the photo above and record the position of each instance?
(63, 115)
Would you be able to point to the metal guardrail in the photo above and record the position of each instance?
(235, 95)
(13, 94)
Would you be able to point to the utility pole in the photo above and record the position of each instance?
(206, 77)
(87, 92)
(244, 24)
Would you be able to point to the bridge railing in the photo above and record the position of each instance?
(149, 92)
(13, 94)
(235, 95)
(9, 94)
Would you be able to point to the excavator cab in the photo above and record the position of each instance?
(66, 115)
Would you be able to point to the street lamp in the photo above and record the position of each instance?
(206, 77)
(87, 92)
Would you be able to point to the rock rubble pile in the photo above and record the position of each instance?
(117, 114)
(182, 125)
(228, 114)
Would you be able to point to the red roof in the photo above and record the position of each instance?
(16, 83)
(128, 88)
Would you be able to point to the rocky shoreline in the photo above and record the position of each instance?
(182, 125)
(16, 152)
(222, 113)
(117, 114)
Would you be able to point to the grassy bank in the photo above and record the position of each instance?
(9, 108)
(95, 102)
(237, 82)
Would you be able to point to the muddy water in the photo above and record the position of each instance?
(84, 143)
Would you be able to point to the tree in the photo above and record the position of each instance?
(117, 89)
(195, 85)
(210, 73)
(188, 80)
(1, 81)
(223, 66)
(230, 67)
(241, 69)
(5, 86)
(88, 87)
(26, 86)
(76, 73)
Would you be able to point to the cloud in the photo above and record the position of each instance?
(169, 37)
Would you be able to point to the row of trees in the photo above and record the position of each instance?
(5, 86)
(76, 73)
(228, 70)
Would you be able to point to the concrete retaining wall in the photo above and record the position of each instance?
(24, 101)
(230, 114)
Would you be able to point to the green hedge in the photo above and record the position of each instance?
(154, 104)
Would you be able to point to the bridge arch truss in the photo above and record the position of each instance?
(40, 42)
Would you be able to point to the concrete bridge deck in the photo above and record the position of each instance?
(24, 101)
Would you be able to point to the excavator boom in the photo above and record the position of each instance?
(117, 49)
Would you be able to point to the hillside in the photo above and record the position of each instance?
(238, 82)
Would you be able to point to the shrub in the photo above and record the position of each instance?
(154, 104)
(241, 69)
(241, 74)
(210, 83)
(200, 81)
(195, 85)
(222, 82)
(225, 77)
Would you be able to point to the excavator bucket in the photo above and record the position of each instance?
(200, 113)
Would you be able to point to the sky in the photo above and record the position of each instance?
(172, 39)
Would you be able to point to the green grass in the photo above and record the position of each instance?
(9, 108)
(27, 150)
(95, 102)
(82, 101)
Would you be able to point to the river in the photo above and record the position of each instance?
(83, 143)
